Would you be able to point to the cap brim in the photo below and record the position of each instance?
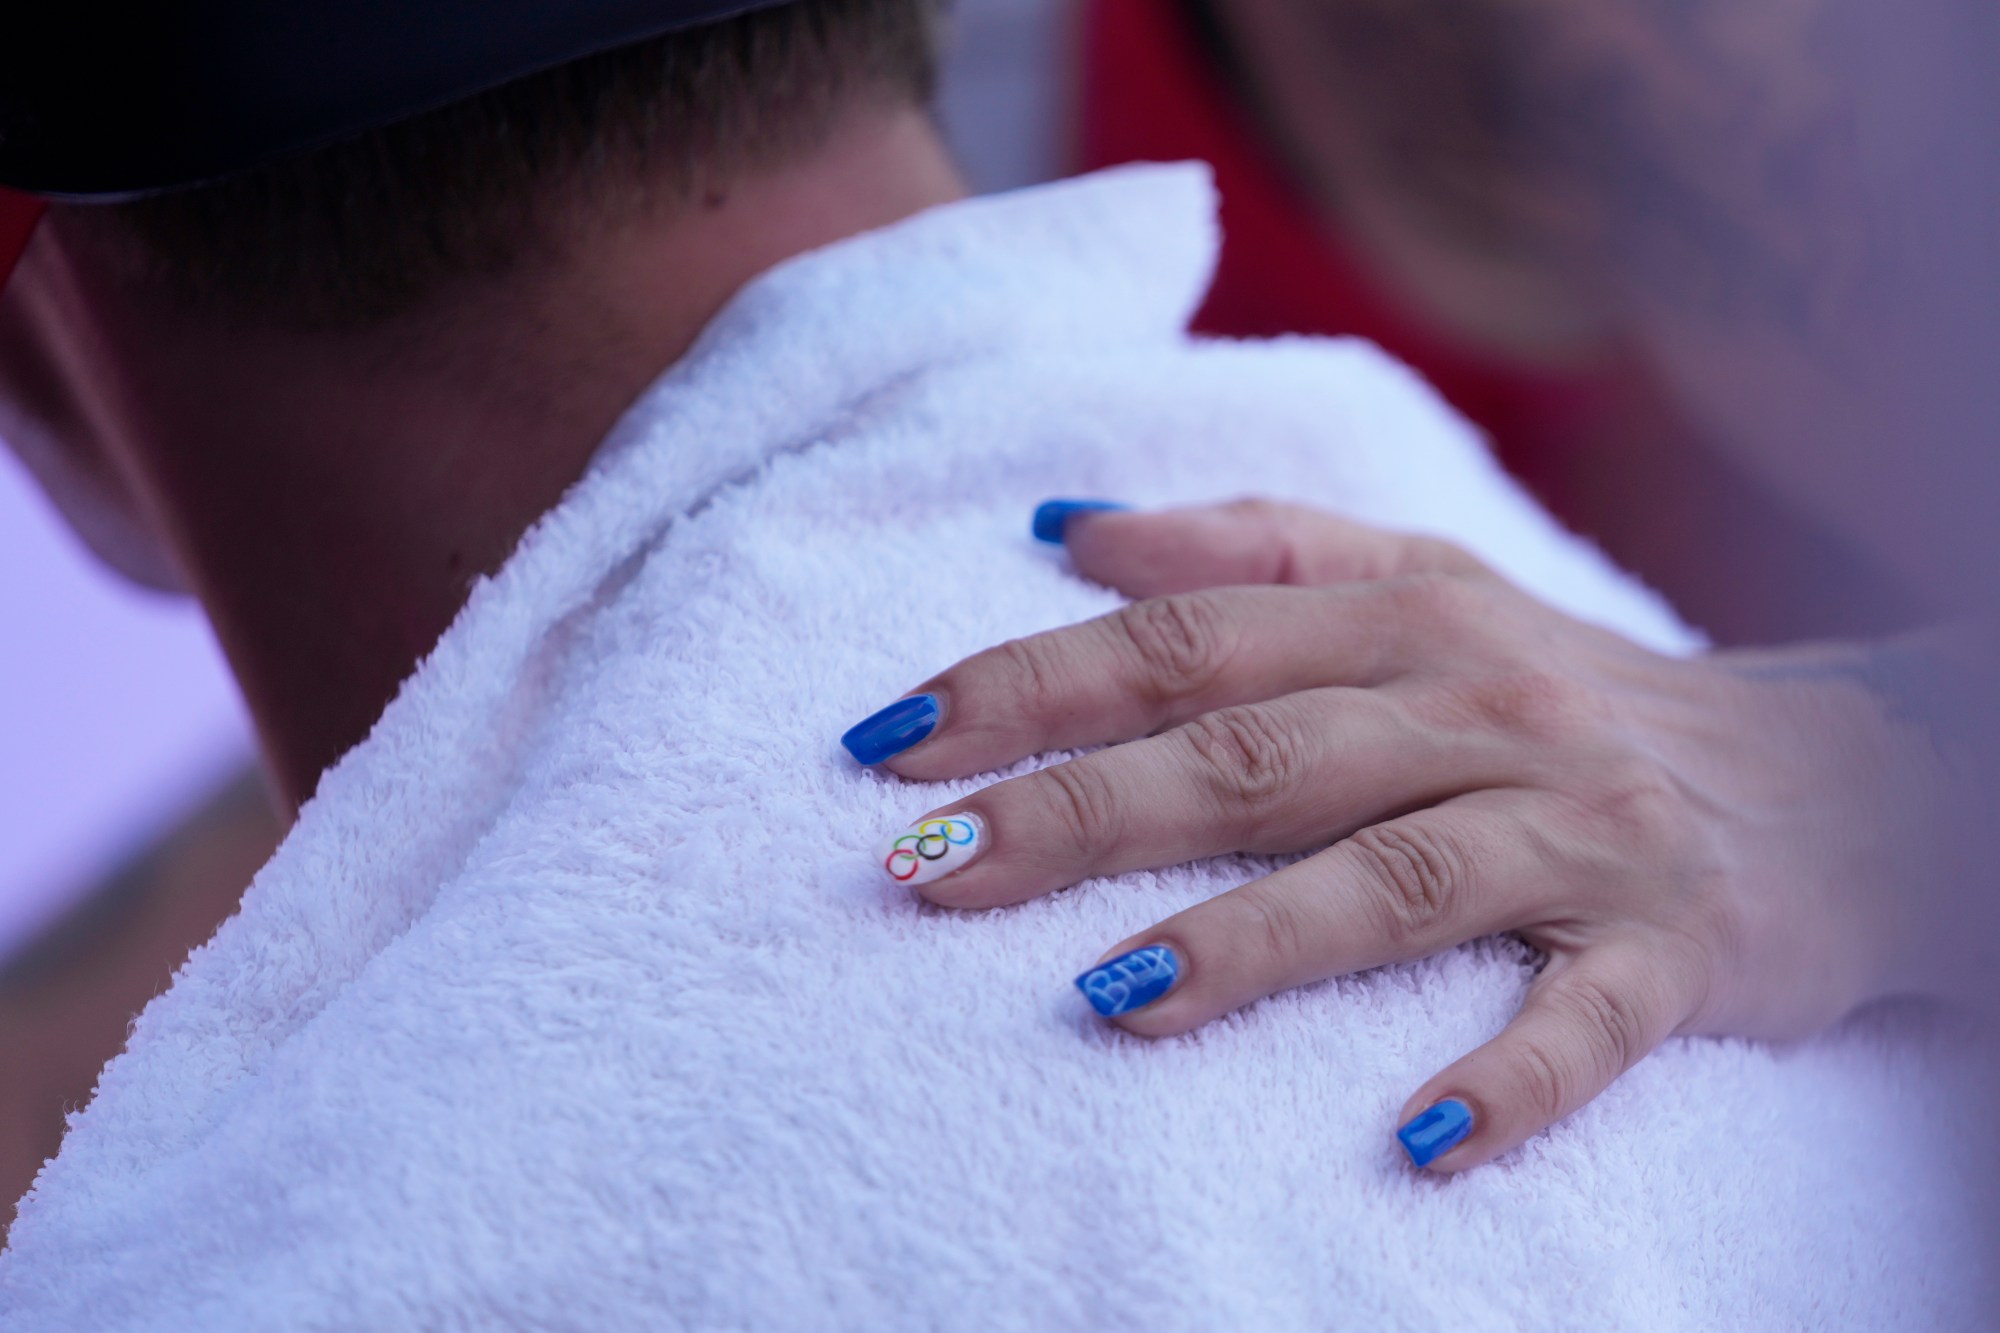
(112, 101)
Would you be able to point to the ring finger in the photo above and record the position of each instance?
(1398, 890)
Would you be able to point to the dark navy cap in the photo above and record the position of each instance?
(109, 101)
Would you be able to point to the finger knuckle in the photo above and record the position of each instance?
(1277, 928)
(1434, 612)
(1083, 806)
(1433, 600)
(1249, 759)
(1639, 804)
(1037, 683)
(1608, 1024)
(1181, 643)
(1546, 1075)
(1716, 936)
(1421, 875)
(1534, 704)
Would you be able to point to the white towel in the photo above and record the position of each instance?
(576, 999)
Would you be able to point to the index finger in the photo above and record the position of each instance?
(1149, 553)
(1150, 665)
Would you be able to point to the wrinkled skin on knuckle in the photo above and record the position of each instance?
(1277, 931)
(1712, 949)
(1600, 1031)
(1439, 608)
(1638, 854)
(1642, 815)
(1537, 706)
(1418, 874)
(1181, 644)
(1608, 1023)
(1251, 761)
(1714, 941)
(1037, 684)
(1081, 809)
(1545, 1073)
(1493, 662)
(1275, 527)
(1467, 630)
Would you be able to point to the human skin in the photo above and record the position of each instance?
(1776, 203)
(1738, 843)
(330, 497)
(1750, 844)
(1571, 185)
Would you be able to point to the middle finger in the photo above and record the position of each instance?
(1287, 775)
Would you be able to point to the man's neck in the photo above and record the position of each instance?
(331, 497)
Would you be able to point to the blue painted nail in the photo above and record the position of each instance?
(893, 730)
(1052, 516)
(1435, 1131)
(1131, 980)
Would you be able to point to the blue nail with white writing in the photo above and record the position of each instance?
(1436, 1130)
(1052, 516)
(1131, 980)
(895, 729)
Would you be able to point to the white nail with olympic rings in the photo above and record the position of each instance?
(932, 848)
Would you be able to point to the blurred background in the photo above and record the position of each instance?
(117, 710)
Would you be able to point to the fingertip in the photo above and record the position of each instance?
(932, 849)
(1437, 1132)
(889, 732)
(1131, 981)
(915, 738)
(969, 869)
(1052, 520)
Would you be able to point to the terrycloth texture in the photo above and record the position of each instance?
(576, 1000)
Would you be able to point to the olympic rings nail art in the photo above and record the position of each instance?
(932, 848)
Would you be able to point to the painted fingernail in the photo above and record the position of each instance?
(1052, 516)
(1436, 1130)
(893, 730)
(1131, 980)
(932, 848)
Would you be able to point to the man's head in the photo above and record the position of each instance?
(386, 224)
(366, 227)
(326, 393)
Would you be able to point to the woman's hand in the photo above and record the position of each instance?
(1728, 844)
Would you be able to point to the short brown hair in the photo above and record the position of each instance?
(359, 230)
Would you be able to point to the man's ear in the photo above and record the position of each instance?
(98, 510)
(40, 426)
